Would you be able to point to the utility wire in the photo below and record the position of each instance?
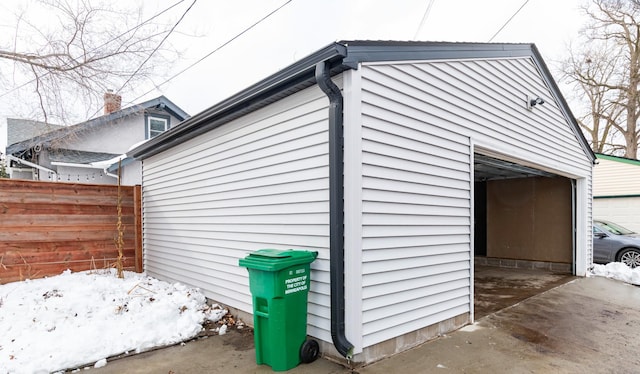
(214, 51)
(509, 20)
(150, 54)
(107, 42)
(158, 46)
(424, 19)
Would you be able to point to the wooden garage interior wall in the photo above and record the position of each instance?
(530, 219)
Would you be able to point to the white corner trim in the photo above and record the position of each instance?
(352, 93)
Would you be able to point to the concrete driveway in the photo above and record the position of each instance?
(587, 325)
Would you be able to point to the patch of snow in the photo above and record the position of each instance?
(471, 328)
(617, 271)
(215, 313)
(76, 319)
(440, 366)
(223, 330)
(100, 363)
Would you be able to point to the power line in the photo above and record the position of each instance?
(509, 20)
(158, 46)
(105, 43)
(150, 54)
(424, 18)
(214, 51)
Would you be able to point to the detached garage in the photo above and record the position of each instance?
(399, 162)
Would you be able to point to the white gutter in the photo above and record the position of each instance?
(104, 165)
(70, 164)
(94, 165)
(25, 162)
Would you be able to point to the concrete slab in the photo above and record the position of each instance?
(233, 352)
(589, 325)
(496, 288)
(586, 325)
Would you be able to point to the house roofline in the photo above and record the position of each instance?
(341, 56)
(160, 101)
(624, 160)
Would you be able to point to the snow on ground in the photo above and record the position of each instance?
(618, 271)
(78, 319)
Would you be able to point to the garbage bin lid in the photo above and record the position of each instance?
(275, 259)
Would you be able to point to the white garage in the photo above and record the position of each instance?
(378, 155)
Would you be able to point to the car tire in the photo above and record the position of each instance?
(629, 257)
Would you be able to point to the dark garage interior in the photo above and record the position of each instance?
(523, 232)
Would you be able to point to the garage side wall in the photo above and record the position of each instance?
(420, 121)
(416, 210)
(260, 181)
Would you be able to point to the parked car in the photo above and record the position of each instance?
(614, 243)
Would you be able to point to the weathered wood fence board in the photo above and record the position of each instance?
(46, 228)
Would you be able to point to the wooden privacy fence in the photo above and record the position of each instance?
(46, 228)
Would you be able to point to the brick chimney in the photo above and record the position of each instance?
(112, 102)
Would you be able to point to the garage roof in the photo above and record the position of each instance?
(341, 56)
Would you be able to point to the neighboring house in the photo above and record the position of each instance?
(84, 152)
(616, 191)
(19, 130)
(424, 154)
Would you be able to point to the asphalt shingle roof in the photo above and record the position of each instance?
(19, 130)
(72, 156)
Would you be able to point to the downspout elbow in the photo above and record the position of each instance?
(336, 209)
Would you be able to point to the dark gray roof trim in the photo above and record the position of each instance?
(341, 56)
(160, 102)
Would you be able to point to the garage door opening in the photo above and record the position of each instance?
(523, 232)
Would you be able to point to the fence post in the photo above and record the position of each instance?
(137, 208)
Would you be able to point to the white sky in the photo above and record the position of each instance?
(304, 26)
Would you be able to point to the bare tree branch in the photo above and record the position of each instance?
(606, 71)
(83, 48)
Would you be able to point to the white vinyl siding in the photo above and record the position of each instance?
(260, 181)
(616, 192)
(419, 121)
(621, 210)
(615, 178)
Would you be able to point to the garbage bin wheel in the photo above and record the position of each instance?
(309, 351)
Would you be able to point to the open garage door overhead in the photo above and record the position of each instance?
(489, 168)
(523, 216)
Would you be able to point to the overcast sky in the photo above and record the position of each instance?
(303, 26)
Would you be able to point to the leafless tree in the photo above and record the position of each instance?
(606, 69)
(599, 110)
(63, 55)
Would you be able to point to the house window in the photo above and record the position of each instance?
(156, 126)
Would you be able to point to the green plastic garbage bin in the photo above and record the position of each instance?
(279, 283)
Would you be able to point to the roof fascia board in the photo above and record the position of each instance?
(618, 159)
(370, 51)
(169, 106)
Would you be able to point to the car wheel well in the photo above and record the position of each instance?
(619, 253)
